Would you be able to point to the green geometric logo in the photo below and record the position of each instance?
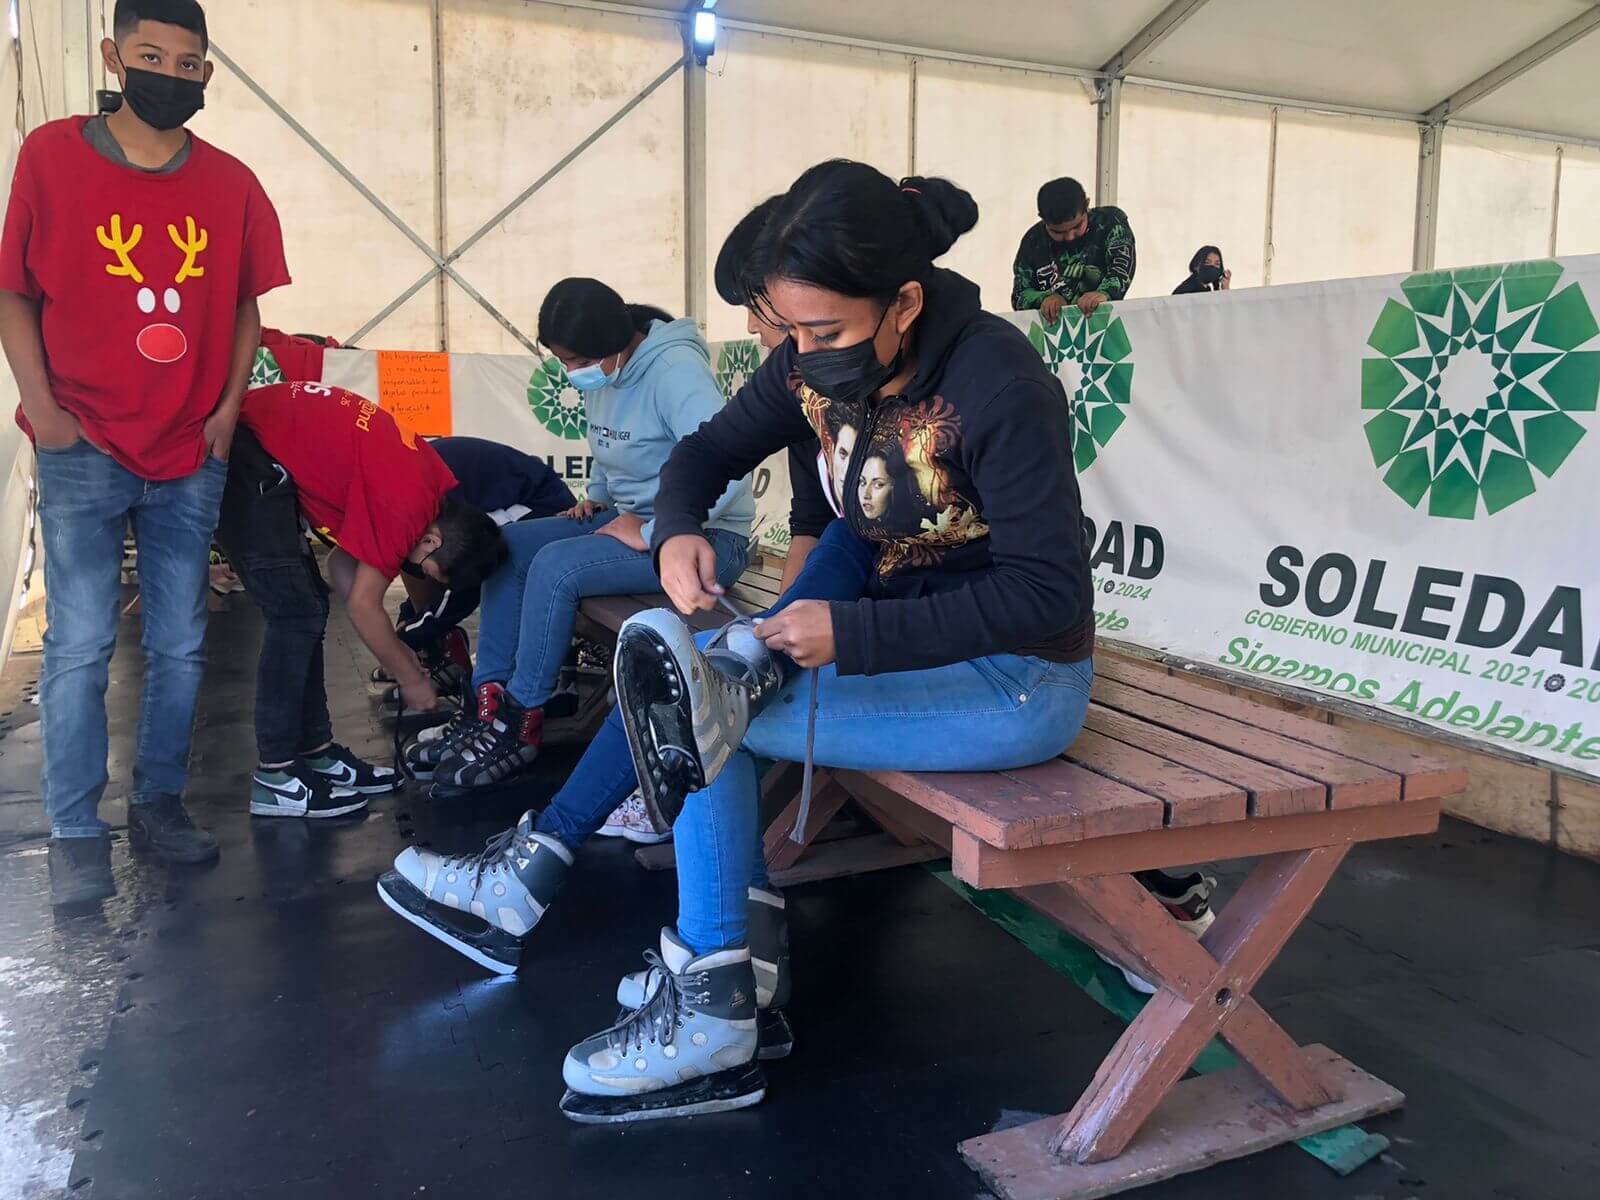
(1100, 381)
(1483, 385)
(265, 370)
(556, 403)
(736, 362)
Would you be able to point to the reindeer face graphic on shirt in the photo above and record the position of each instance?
(160, 341)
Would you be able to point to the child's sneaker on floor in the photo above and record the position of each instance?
(1187, 898)
(299, 791)
(340, 767)
(631, 820)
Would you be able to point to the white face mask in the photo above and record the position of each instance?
(592, 377)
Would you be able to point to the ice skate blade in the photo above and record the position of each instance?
(499, 952)
(735, 1088)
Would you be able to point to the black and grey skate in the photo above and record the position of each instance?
(481, 905)
(503, 748)
(689, 1049)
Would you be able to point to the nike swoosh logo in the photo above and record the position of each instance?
(344, 773)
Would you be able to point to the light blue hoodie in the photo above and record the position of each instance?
(662, 396)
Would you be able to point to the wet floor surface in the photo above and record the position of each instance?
(266, 1028)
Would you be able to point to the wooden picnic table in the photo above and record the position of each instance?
(1167, 772)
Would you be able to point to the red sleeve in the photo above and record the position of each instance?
(14, 273)
(262, 266)
(381, 530)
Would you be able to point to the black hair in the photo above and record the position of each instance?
(848, 228)
(185, 14)
(736, 250)
(589, 318)
(472, 549)
(1062, 200)
(1199, 259)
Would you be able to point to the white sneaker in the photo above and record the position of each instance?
(632, 821)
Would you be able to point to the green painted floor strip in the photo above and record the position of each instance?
(1342, 1150)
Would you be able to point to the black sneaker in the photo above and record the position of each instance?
(1187, 897)
(80, 871)
(340, 767)
(299, 791)
(162, 826)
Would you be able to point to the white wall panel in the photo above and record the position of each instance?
(1000, 134)
(1578, 222)
(1495, 198)
(1344, 199)
(1193, 173)
(374, 110)
(776, 106)
(523, 85)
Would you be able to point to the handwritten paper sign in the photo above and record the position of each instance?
(414, 388)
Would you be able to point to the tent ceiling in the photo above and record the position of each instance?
(1400, 56)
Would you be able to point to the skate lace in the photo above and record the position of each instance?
(660, 1017)
(803, 817)
(494, 852)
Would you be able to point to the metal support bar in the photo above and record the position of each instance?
(911, 120)
(1426, 233)
(371, 198)
(1160, 27)
(1518, 64)
(527, 193)
(696, 246)
(1108, 141)
(1267, 249)
(1555, 200)
(441, 226)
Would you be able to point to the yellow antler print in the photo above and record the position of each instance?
(193, 245)
(122, 247)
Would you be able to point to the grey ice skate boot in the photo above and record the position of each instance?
(481, 905)
(690, 1048)
(769, 958)
(686, 710)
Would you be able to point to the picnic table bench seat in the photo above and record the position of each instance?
(1167, 772)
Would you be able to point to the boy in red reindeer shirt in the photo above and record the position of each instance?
(132, 257)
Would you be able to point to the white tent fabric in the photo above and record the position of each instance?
(1289, 132)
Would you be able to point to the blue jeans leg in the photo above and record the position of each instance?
(989, 714)
(604, 776)
(173, 523)
(84, 501)
(500, 615)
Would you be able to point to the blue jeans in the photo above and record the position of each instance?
(989, 714)
(86, 500)
(604, 777)
(530, 605)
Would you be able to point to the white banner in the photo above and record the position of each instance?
(1375, 489)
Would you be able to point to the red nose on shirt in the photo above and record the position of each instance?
(162, 343)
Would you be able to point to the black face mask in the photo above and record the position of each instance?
(848, 374)
(414, 569)
(1208, 273)
(162, 101)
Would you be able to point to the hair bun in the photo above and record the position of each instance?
(945, 210)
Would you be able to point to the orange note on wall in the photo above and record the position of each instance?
(414, 388)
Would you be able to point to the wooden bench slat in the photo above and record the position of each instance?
(1190, 797)
(1351, 784)
(1050, 804)
(1423, 776)
(1272, 792)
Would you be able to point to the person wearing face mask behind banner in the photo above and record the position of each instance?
(646, 382)
(1075, 254)
(1206, 273)
(130, 266)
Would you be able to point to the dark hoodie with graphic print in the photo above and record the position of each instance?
(1102, 260)
(964, 483)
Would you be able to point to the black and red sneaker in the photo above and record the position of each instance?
(423, 754)
(503, 748)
